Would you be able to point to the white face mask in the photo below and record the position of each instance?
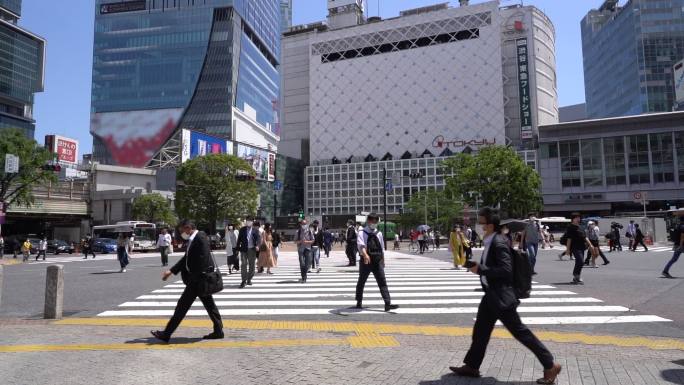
(249, 223)
(185, 236)
(373, 226)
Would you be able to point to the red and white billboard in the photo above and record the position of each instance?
(66, 149)
(133, 137)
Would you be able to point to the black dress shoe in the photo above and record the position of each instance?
(214, 336)
(242, 285)
(359, 305)
(465, 371)
(391, 307)
(249, 283)
(160, 335)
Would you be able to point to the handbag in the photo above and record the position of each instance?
(208, 282)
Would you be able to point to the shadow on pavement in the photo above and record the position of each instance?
(675, 376)
(449, 379)
(347, 311)
(174, 340)
(105, 272)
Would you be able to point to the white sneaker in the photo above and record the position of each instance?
(123, 270)
(319, 270)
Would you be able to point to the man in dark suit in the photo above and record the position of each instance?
(248, 243)
(500, 303)
(197, 260)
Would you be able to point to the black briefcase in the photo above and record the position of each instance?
(209, 282)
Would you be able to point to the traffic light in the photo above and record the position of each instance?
(52, 167)
(301, 215)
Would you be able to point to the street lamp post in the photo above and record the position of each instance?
(385, 186)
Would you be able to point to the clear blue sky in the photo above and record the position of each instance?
(64, 107)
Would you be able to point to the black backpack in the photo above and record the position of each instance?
(522, 274)
(374, 247)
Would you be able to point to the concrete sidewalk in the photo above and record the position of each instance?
(106, 351)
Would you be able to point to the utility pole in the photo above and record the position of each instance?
(385, 186)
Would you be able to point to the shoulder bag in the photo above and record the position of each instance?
(208, 282)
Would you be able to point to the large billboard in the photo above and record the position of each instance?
(66, 149)
(260, 160)
(679, 82)
(524, 90)
(133, 137)
(196, 144)
(126, 6)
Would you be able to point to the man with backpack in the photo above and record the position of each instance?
(500, 269)
(678, 238)
(372, 250)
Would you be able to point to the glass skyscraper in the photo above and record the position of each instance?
(286, 14)
(160, 66)
(22, 58)
(629, 52)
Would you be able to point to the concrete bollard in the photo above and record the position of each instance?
(54, 292)
(1, 272)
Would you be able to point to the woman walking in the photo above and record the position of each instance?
(266, 256)
(122, 244)
(231, 249)
(458, 244)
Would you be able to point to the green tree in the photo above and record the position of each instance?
(441, 209)
(499, 177)
(16, 188)
(209, 190)
(153, 208)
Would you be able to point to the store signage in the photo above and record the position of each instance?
(195, 144)
(441, 142)
(11, 164)
(128, 6)
(679, 82)
(65, 149)
(524, 89)
(271, 166)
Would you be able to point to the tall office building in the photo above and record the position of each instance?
(629, 52)
(163, 69)
(407, 92)
(286, 14)
(22, 59)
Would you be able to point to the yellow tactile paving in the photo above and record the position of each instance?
(362, 328)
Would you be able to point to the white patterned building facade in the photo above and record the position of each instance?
(405, 93)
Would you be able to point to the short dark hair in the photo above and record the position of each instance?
(315, 222)
(187, 223)
(531, 214)
(249, 218)
(491, 216)
(575, 215)
(636, 225)
(372, 216)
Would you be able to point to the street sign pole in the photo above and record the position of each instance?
(384, 194)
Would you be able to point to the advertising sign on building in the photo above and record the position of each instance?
(524, 90)
(259, 159)
(679, 82)
(11, 164)
(271, 166)
(194, 144)
(66, 149)
(126, 6)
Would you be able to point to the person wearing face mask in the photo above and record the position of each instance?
(500, 303)
(249, 239)
(372, 250)
(351, 236)
(304, 239)
(316, 247)
(197, 259)
(231, 249)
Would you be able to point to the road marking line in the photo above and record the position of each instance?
(368, 294)
(432, 301)
(365, 311)
(385, 328)
(591, 320)
(346, 289)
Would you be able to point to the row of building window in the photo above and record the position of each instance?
(636, 159)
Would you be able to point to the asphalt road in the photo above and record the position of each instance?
(631, 280)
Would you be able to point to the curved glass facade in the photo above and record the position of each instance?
(160, 65)
(629, 53)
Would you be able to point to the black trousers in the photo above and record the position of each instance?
(185, 302)
(482, 331)
(595, 243)
(637, 243)
(378, 270)
(350, 250)
(164, 255)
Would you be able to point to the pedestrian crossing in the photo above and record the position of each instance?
(421, 286)
(53, 259)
